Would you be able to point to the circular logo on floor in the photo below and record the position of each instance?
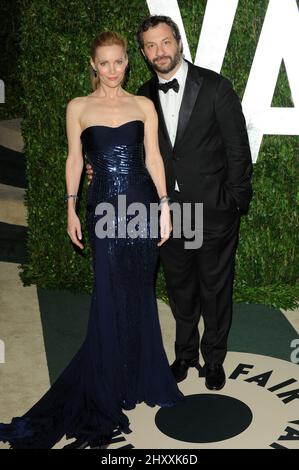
(257, 408)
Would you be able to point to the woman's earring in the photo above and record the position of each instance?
(94, 72)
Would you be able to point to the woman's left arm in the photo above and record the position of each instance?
(153, 159)
(155, 166)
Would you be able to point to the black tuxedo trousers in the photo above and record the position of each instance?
(200, 282)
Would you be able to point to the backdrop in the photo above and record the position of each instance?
(46, 63)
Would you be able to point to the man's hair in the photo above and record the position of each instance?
(154, 20)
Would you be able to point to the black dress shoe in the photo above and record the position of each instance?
(180, 368)
(215, 376)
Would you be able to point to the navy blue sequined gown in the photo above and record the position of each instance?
(122, 361)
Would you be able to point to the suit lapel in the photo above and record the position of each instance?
(192, 87)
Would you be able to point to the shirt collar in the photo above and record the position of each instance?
(180, 74)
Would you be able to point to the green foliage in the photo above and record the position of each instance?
(10, 59)
(54, 67)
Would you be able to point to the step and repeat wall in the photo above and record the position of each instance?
(254, 43)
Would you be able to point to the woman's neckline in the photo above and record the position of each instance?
(112, 127)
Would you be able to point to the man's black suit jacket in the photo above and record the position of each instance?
(211, 158)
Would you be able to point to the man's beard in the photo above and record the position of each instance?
(167, 68)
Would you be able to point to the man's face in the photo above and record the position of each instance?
(161, 48)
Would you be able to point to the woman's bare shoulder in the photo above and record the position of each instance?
(77, 102)
(144, 100)
(76, 106)
(145, 103)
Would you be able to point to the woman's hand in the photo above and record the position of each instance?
(165, 223)
(74, 228)
(89, 172)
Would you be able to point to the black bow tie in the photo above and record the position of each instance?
(174, 84)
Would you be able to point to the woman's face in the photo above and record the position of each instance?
(110, 64)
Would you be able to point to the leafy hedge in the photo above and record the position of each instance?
(54, 62)
(9, 59)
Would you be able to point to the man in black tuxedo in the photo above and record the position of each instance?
(204, 145)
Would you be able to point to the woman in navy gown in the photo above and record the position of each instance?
(122, 361)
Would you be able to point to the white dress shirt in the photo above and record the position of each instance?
(171, 103)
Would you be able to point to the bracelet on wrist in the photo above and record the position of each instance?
(164, 199)
(69, 196)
